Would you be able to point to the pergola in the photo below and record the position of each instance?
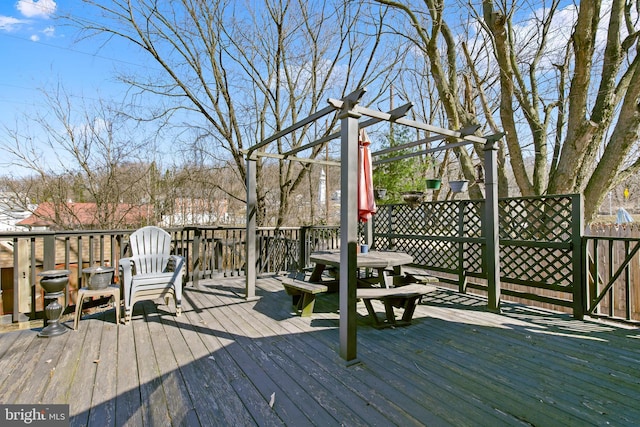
(350, 114)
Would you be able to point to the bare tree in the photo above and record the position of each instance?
(596, 103)
(428, 33)
(245, 71)
(76, 152)
(566, 81)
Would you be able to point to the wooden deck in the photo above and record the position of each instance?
(226, 361)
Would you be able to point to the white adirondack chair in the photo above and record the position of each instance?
(151, 272)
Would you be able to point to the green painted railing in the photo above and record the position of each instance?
(612, 277)
(209, 252)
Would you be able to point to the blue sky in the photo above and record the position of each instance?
(42, 52)
(39, 51)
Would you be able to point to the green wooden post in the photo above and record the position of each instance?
(302, 261)
(462, 273)
(491, 224)
(578, 256)
(252, 210)
(49, 261)
(348, 231)
(197, 262)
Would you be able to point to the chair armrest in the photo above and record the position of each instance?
(125, 270)
(172, 263)
(175, 263)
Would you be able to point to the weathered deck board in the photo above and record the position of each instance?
(81, 385)
(261, 381)
(224, 358)
(128, 396)
(103, 405)
(365, 394)
(209, 395)
(348, 385)
(387, 371)
(154, 407)
(231, 375)
(215, 401)
(297, 386)
(20, 374)
(556, 363)
(179, 402)
(288, 395)
(42, 370)
(307, 370)
(62, 371)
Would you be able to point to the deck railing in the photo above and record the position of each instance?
(209, 252)
(542, 253)
(24, 255)
(612, 272)
(540, 240)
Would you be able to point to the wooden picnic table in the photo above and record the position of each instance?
(405, 295)
(382, 261)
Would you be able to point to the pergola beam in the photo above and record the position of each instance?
(312, 144)
(418, 125)
(255, 155)
(488, 138)
(464, 131)
(338, 104)
(298, 125)
(396, 113)
(418, 153)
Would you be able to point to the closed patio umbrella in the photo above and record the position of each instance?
(366, 199)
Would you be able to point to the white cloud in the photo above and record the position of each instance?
(49, 31)
(527, 34)
(9, 23)
(35, 38)
(36, 8)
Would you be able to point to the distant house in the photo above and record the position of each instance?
(72, 215)
(188, 211)
(12, 212)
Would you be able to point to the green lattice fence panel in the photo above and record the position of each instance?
(539, 219)
(536, 240)
(472, 260)
(433, 233)
(551, 267)
(535, 237)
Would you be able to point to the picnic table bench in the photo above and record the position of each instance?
(304, 293)
(406, 297)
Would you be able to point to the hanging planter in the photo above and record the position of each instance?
(413, 198)
(459, 186)
(434, 184)
(380, 193)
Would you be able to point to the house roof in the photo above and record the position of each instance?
(84, 214)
